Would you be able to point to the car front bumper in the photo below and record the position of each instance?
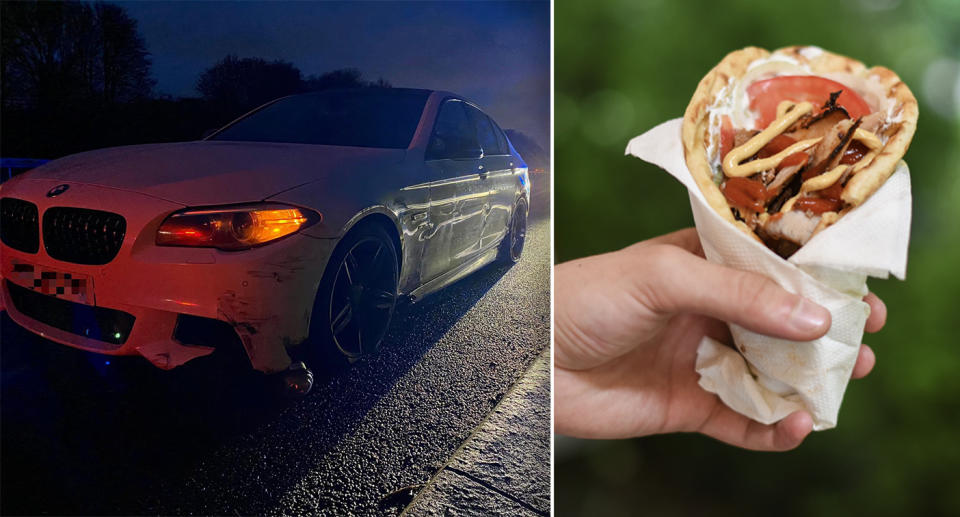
(265, 294)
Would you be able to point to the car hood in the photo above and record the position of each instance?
(210, 173)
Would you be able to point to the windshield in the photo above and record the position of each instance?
(372, 117)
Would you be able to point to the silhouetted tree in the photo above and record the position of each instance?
(123, 58)
(342, 78)
(59, 53)
(248, 82)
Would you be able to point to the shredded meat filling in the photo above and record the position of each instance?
(829, 108)
(831, 147)
(777, 191)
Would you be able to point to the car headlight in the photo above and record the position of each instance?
(233, 228)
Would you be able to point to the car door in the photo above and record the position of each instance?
(455, 216)
(497, 178)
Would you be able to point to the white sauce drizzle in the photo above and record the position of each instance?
(811, 52)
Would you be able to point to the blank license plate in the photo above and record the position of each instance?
(68, 286)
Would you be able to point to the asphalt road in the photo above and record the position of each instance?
(84, 434)
(504, 467)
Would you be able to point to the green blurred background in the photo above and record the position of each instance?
(624, 66)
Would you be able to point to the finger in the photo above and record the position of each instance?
(865, 362)
(687, 239)
(675, 281)
(878, 313)
(731, 427)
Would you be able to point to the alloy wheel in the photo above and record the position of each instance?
(518, 233)
(363, 297)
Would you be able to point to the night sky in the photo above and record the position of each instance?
(494, 53)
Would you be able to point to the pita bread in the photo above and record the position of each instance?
(881, 88)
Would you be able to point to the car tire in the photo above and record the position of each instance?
(511, 247)
(356, 298)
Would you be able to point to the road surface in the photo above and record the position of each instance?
(87, 434)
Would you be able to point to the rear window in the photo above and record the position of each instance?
(358, 118)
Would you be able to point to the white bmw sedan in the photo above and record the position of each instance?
(298, 225)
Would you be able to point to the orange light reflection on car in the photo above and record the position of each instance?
(230, 228)
(272, 224)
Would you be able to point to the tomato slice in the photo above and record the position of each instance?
(854, 153)
(779, 143)
(817, 205)
(726, 136)
(793, 159)
(745, 193)
(833, 192)
(766, 94)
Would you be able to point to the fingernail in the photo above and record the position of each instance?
(808, 316)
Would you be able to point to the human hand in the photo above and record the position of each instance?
(627, 327)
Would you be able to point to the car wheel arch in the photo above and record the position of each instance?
(374, 225)
(385, 220)
(520, 199)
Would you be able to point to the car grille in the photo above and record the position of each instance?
(19, 227)
(82, 236)
(99, 323)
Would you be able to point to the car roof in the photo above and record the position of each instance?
(437, 94)
(371, 90)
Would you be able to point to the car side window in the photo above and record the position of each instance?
(486, 136)
(452, 134)
(501, 138)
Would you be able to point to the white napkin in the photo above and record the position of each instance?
(775, 377)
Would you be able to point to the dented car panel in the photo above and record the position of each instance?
(445, 215)
(354, 200)
(254, 291)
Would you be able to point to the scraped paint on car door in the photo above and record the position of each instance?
(497, 177)
(456, 195)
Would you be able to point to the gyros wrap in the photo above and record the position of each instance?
(773, 148)
(783, 144)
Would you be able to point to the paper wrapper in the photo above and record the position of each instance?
(772, 378)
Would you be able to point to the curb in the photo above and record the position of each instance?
(503, 467)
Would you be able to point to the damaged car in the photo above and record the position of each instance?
(296, 228)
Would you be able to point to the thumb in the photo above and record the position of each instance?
(678, 281)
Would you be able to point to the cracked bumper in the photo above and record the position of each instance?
(266, 294)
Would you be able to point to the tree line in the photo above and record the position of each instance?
(76, 76)
(56, 54)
